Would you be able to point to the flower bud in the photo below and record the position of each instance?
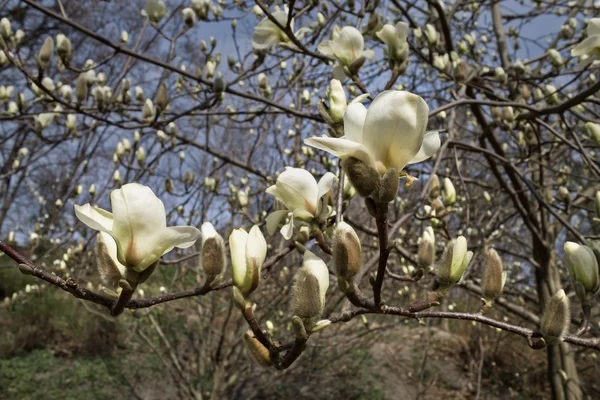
(5, 28)
(162, 98)
(426, 249)
(124, 37)
(494, 278)
(433, 189)
(81, 90)
(593, 130)
(213, 252)
(309, 288)
(449, 192)
(148, 109)
(363, 177)
(556, 318)
(248, 253)
(189, 17)
(45, 55)
(555, 57)
(346, 248)
(259, 352)
(337, 101)
(140, 156)
(63, 48)
(583, 269)
(454, 261)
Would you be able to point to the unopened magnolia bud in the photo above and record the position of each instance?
(46, 51)
(148, 109)
(363, 177)
(598, 203)
(347, 259)
(449, 192)
(92, 189)
(169, 186)
(162, 98)
(433, 189)
(426, 249)
(248, 253)
(454, 261)
(5, 28)
(213, 252)
(309, 288)
(259, 352)
(583, 269)
(124, 37)
(555, 57)
(140, 156)
(81, 90)
(63, 48)
(387, 187)
(556, 318)
(593, 130)
(117, 177)
(494, 278)
(563, 194)
(337, 101)
(189, 17)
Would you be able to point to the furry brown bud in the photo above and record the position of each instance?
(494, 278)
(45, 55)
(259, 352)
(213, 253)
(308, 290)
(361, 176)
(556, 318)
(426, 250)
(347, 259)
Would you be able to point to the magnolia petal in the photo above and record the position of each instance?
(431, 144)
(287, 230)
(593, 27)
(387, 35)
(139, 219)
(154, 247)
(368, 54)
(298, 189)
(111, 248)
(394, 127)
(256, 248)
(317, 267)
(587, 46)
(274, 219)
(237, 249)
(266, 34)
(350, 44)
(342, 148)
(401, 29)
(325, 48)
(354, 121)
(325, 184)
(94, 217)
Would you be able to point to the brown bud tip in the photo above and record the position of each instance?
(433, 189)
(556, 318)
(347, 259)
(494, 278)
(259, 352)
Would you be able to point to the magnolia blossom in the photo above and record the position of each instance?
(248, 253)
(156, 10)
(395, 39)
(267, 33)
(390, 134)
(138, 225)
(591, 45)
(347, 45)
(303, 197)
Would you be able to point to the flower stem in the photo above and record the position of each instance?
(384, 251)
(124, 298)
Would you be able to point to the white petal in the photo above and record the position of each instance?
(298, 189)
(339, 73)
(274, 219)
(354, 121)
(387, 35)
(431, 144)
(325, 48)
(139, 219)
(256, 247)
(593, 27)
(267, 34)
(96, 218)
(317, 267)
(155, 247)
(587, 46)
(111, 247)
(237, 249)
(325, 184)
(351, 44)
(401, 30)
(287, 231)
(368, 54)
(394, 127)
(342, 148)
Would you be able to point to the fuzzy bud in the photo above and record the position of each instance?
(309, 288)
(556, 318)
(346, 249)
(426, 249)
(45, 55)
(449, 192)
(593, 130)
(63, 48)
(162, 98)
(337, 101)
(148, 109)
(81, 90)
(259, 352)
(213, 252)
(494, 278)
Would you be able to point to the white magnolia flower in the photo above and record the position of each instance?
(591, 45)
(303, 197)
(395, 39)
(248, 253)
(346, 45)
(138, 224)
(267, 33)
(391, 134)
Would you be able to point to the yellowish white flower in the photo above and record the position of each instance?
(347, 45)
(395, 39)
(138, 225)
(591, 45)
(267, 33)
(248, 253)
(304, 198)
(390, 134)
